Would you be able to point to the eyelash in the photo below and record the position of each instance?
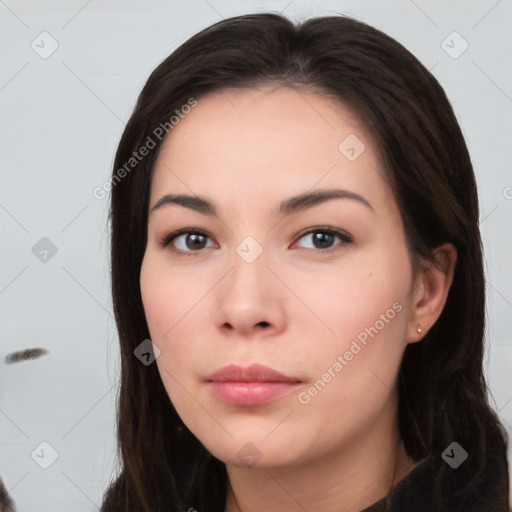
(345, 238)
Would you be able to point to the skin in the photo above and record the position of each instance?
(247, 151)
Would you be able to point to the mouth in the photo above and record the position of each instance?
(250, 393)
(250, 386)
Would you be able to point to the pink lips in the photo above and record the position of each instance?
(254, 385)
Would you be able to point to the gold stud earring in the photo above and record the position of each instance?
(419, 329)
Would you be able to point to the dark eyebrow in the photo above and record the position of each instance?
(287, 207)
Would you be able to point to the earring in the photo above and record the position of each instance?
(419, 329)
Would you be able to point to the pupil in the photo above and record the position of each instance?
(194, 238)
(323, 239)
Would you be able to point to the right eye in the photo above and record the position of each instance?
(191, 241)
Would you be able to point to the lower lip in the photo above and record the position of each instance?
(250, 393)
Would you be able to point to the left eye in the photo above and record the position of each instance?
(325, 236)
(192, 241)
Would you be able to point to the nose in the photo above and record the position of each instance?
(250, 300)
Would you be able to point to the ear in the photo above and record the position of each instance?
(431, 290)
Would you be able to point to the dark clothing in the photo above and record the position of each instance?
(433, 486)
(460, 490)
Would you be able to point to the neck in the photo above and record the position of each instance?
(354, 476)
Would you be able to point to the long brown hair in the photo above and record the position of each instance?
(442, 390)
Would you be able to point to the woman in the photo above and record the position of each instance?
(344, 374)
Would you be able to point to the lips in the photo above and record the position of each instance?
(250, 386)
(253, 373)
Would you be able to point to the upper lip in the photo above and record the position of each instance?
(253, 373)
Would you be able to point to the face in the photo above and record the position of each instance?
(317, 289)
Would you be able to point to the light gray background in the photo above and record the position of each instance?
(61, 121)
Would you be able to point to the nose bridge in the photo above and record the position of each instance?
(249, 265)
(248, 295)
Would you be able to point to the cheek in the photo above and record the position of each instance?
(170, 303)
(166, 297)
(366, 307)
(360, 295)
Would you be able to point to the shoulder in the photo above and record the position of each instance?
(434, 485)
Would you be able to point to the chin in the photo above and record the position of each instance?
(258, 450)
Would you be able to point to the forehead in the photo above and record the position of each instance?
(267, 143)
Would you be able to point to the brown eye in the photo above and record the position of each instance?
(323, 238)
(186, 240)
